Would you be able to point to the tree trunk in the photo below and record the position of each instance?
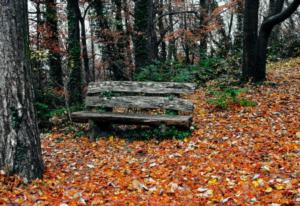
(85, 57)
(255, 46)
(263, 39)
(74, 61)
(92, 70)
(250, 38)
(186, 45)
(203, 24)
(162, 32)
(145, 41)
(151, 31)
(36, 63)
(56, 74)
(172, 51)
(106, 38)
(238, 35)
(259, 70)
(127, 39)
(20, 149)
(120, 72)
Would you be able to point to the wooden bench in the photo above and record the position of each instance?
(104, 98)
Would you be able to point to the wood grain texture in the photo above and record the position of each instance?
(160, 88)
(143, 102)
(121, 118)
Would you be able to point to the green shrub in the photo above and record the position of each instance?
(165, 71)
(223, 96)
(207, 69)
(247, 103)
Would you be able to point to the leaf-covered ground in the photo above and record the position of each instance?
(243, 156)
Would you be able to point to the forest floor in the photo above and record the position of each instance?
(241, 156)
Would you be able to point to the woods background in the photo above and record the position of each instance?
(74, 42)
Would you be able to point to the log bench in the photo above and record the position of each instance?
(104, 100)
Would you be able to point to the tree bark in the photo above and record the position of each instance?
(162, 32)
(85, 56)
(110, 53)
(74, 61)
(36, 63)
(172, 51)
(93, 55)
(186, 45)
(278, 15)
(127, 39)
(238, 35)
(20, 148)
(52, 42)
(145, 40)
(120, 72)
(255, 45)
(203, 24)
(250, 38)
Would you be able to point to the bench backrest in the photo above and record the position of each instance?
(143, 95)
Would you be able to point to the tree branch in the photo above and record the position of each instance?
(178, 12)
(283, 15)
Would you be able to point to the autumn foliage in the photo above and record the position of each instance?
(242, 156)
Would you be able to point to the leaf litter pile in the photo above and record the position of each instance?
(240, 156)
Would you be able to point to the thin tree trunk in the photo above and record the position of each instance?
(85, 57)
(120, 72)
(37, 64)
(92, 71)
(203, 25)
(74, 61)
(238, 34)
(163, 51)
(275, 7)
(104, 35)
(128, 37)
(172, 51)
(151, 31)
(186, 45)
(20, 148)
(55, 73)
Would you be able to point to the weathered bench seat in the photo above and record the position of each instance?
(104, 98)
(121, 118)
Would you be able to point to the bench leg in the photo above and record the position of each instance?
(98, 129)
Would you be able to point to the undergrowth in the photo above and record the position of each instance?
(221, 97)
